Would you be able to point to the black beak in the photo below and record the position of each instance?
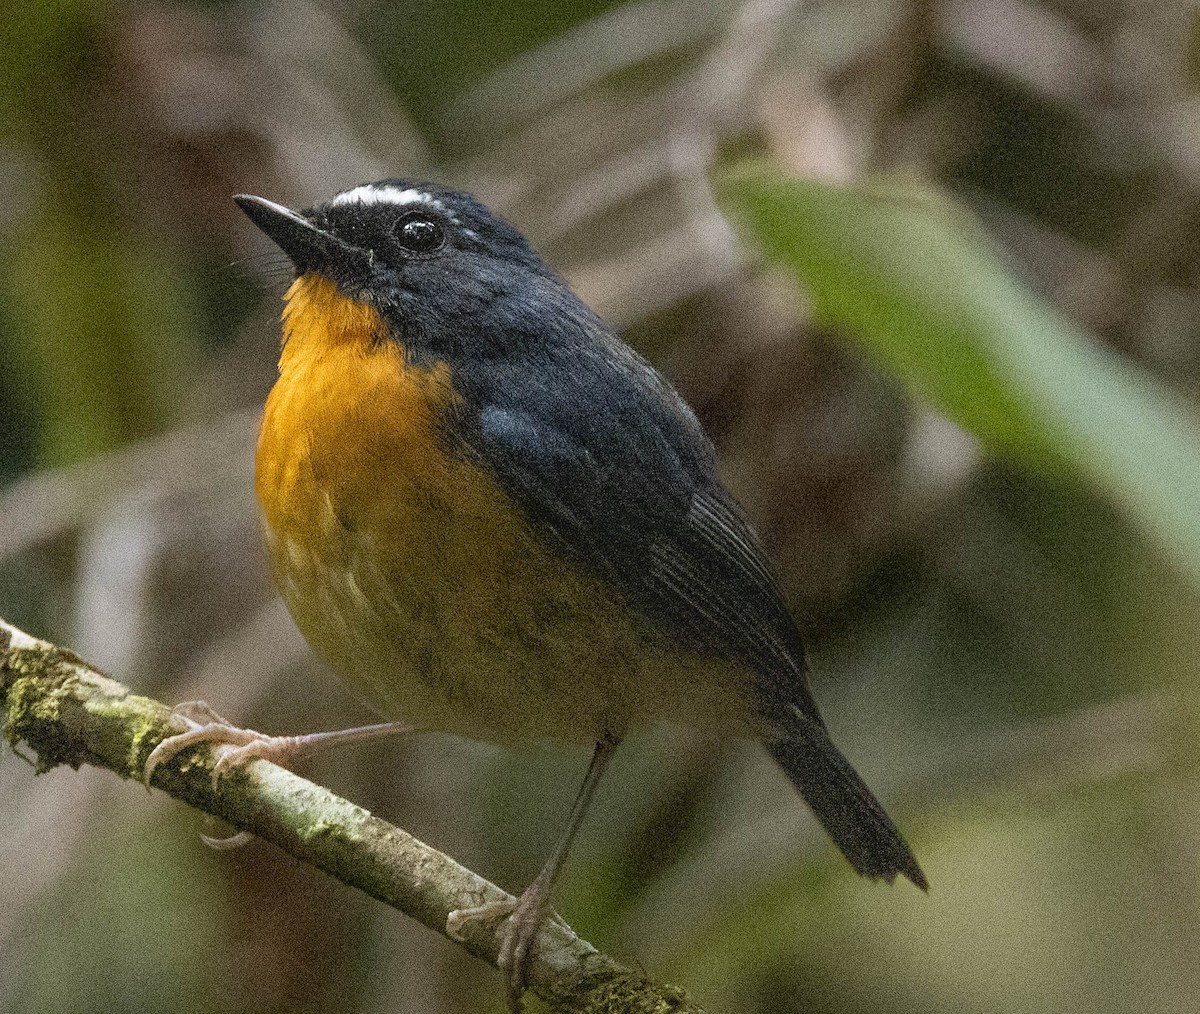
(307, 246)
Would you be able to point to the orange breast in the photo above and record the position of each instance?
(348, 417)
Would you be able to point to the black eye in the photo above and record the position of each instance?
(419, 233)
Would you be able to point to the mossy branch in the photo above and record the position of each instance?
(69, 713)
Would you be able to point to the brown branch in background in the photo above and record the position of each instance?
(69, 713)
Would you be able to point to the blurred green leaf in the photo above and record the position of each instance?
(912, 277)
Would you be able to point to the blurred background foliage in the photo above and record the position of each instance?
(967, 436)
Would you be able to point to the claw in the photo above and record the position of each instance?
(524, 918)
(457, 921)
(170, 746)
(233, 841)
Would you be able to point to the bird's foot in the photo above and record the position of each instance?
(238, 746)
(523, 919)
(234, 746)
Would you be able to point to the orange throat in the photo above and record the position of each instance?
(347, 411)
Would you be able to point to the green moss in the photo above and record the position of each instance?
(325, 829)
(36, 685)
(143, 727)
(609, 992)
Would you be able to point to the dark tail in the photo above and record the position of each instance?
(841, 800)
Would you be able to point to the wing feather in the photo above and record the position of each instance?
(607, 462)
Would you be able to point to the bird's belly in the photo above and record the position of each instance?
(503, 644)
(423, 636)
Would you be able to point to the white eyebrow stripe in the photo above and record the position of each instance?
(382, 195)
(368, 194)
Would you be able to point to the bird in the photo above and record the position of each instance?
(493, 518)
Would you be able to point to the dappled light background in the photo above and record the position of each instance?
(1012, 666)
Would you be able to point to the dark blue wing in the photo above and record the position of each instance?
(605, 459)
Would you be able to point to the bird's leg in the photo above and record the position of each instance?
(235, 746)
(526, 914)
